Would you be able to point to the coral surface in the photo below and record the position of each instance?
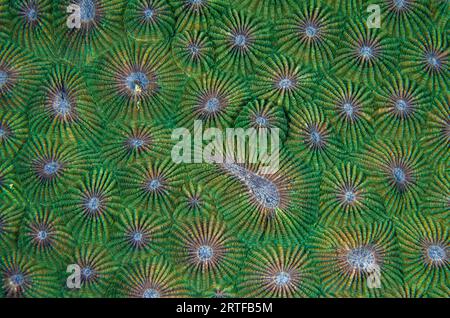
(224, 148)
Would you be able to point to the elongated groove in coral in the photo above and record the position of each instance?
(265, 191)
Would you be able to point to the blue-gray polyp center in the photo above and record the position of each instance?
(93, 204)
(262, 121)
(205, 253)
(87, 10)
(311, 31)
(212, 105)
(400, 3)
(433, 60)
(3, 78)
(51, 168)
(194, 49)
(401, 105)
(399, 175)
(153, 184)
(361, 258)
(17, 279)
(350, 196)
(87, 272)
(285, 83)
(2, 132)
(366, 51)
(42, 235)
(348, 108)
(61, 104)
(436, 253)
(137, 236)
(137, 80)
(282, 279)
(32, 14)
(194, 201)
(315, 137)
(150, 293)
(240, 40)
(148, 13)
(136, 142)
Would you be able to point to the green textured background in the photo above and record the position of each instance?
(372, 183)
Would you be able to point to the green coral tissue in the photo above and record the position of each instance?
(224, 148)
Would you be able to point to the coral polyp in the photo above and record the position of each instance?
(349, 109)
(138, 232)
(425, 248)
(240, 41)
(425, 57)
(19, 75)
(262, 114)
(194, 200)
(214, 98)
(152, 185)
(13, 132)
(152, 278)
(193, 52)
(92, 205)
(353, 260)
(149, 20)
(32, 23)
(133, 142)
(96, 269)
(85, 28)
(404, 18)
(65, 107)
(131, 81)
(277, 271)
(207, 250)
(284, 81)
(401, 108)
(22, 277)
(47, 167)
(45, 235)
(348, 197)
(398, 168)
(311, 33)
(366, 55)
(312, 137)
